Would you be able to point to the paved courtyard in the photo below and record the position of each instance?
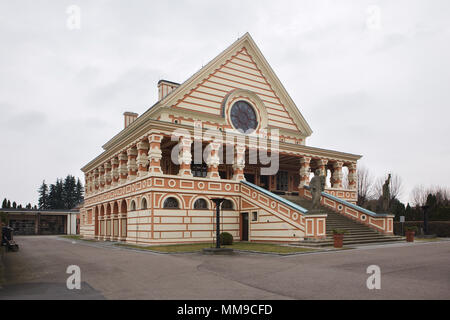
(38, 270)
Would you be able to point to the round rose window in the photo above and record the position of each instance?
(243, 116)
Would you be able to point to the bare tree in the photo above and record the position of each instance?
(365, 185)
(395, 187)
(419, 195)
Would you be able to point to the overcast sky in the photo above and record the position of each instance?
(370, 77)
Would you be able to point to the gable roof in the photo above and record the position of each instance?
(282, 111)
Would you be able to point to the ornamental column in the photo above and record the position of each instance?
(155, 154)
(108, 175)
(322, 166)
(131, 164)
(142, 158)
(96, 180)
(101, 180)
(185, 157)
(213, 160)
(86, 184)
(123, 168)
(239, 163)
(304, 172)
(115, 171)
(352, 177)
(336, 176)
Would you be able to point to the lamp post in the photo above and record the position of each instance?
(218, 202)
(425, 219)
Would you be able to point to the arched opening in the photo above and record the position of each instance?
(133, 205)
(123, 207)
(171, 203)
(108, 209)
(116, 208)
(144, 204)
(122, 229)
(227, 205)
(200, 204)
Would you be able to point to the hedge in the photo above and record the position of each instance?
(439, 228)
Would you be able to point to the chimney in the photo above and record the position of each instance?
(129, 117)
(165, 87)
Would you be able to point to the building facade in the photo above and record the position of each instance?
(42, 222)
(229, 131)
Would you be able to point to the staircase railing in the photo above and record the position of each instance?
(311, 225)
(381, 222)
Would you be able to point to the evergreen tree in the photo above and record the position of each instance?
(28, 206)
(56, 195)
(43, 196)
(79, 192)
(8, 204)
(69, 192)
(5, 203)
(14, 205)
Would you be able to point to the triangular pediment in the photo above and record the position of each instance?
(240, 66)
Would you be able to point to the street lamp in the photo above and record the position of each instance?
(425, 219)
(218, 202)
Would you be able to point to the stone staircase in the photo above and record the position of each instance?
(357, 233)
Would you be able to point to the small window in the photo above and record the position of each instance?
(144, 204)
(133, 206)
(254, 216)
(170, 203)
(227, 205)
(200, 204)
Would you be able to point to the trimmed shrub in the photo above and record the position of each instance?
(226, 238)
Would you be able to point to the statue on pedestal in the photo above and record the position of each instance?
(317, 185)
(386, 194)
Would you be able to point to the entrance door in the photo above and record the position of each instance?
(244, 225)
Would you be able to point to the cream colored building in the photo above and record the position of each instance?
(154, 181)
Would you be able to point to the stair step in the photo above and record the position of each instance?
(356, 233)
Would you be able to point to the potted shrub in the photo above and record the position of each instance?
(338, 236)
(410, 232)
